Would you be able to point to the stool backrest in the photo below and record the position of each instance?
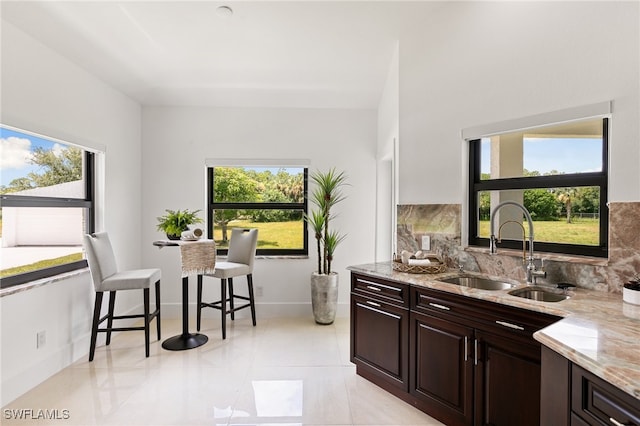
(102, 261)
(242, 247)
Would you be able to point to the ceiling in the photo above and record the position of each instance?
(267, 54)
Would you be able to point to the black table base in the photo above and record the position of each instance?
(185, 340)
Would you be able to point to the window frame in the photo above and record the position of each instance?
(212, 205)
(88, 202)
(597, 179)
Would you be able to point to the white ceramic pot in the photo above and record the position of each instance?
(324, 297)
(631, 296)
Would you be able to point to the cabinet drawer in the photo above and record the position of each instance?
(380, 289)
(598, 402)
(481, 314)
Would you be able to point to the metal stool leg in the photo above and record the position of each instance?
(223, 306)
(94, 326)
(146, 322)
(158, 307)
(252, 301)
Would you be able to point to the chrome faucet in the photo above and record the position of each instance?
(532, 271)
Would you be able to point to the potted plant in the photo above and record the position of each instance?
(175, 222)
(324, 282)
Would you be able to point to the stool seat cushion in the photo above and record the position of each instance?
(130, 280)
(226, 270)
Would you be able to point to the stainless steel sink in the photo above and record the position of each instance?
(478, 282)
(540, 294)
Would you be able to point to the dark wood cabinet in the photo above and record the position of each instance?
(380, 332)
(490, 356)
(442, 368)
(580, 398)
(507, 381)
(461, 360)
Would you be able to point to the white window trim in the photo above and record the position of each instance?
(270, 162)
(601, 109)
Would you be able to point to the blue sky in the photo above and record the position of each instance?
(568, 155)
(15, 151)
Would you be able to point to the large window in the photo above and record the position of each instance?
(46, 205)
(559, 173)
(271, 199)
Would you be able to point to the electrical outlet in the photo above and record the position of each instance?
(259, 291)
(41, 339)
(426, 242)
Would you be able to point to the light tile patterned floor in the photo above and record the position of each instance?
(284, 371)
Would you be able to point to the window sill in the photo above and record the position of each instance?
(39, 283)
(554, 257)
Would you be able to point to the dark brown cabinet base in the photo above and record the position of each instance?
(380, 339)
(463, 361)
(380, 332)
(508, 381)
(573, 396)
(442, 374)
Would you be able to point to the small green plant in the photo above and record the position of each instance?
(326, 195)
(176, 221)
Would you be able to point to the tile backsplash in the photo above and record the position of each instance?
(442, 222)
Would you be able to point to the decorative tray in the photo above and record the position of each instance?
(435, 267)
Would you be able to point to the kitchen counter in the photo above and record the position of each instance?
(599, 331)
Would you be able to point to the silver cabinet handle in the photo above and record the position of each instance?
(370, 287)
(436, 305)
(615, 422)
(377, 305)
(466, 348)
(475, 352)
(508, 324)
(366, 282)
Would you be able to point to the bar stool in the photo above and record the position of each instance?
(106, 277)
(240, 257)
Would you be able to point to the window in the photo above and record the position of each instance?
(558, 172)
(272, 199)
(46, 205)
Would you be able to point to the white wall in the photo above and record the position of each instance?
(482, 62)
(388, 132)
(44, 93)
(176, 142)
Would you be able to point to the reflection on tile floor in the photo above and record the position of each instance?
(284, 371)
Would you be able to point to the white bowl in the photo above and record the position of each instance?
(631, 296)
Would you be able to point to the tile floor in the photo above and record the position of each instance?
(284, 371)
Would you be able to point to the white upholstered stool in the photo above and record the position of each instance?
(106, 277)
(240, 257)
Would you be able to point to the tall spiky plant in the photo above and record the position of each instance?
(327, 194)
(316, 220)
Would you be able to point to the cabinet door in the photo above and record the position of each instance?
(379, 341)
(442, 368)
(507, 381)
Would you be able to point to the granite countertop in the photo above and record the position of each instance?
(598, 331)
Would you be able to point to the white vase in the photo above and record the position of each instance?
(324, 297)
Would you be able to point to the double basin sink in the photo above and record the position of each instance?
(537, 293)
